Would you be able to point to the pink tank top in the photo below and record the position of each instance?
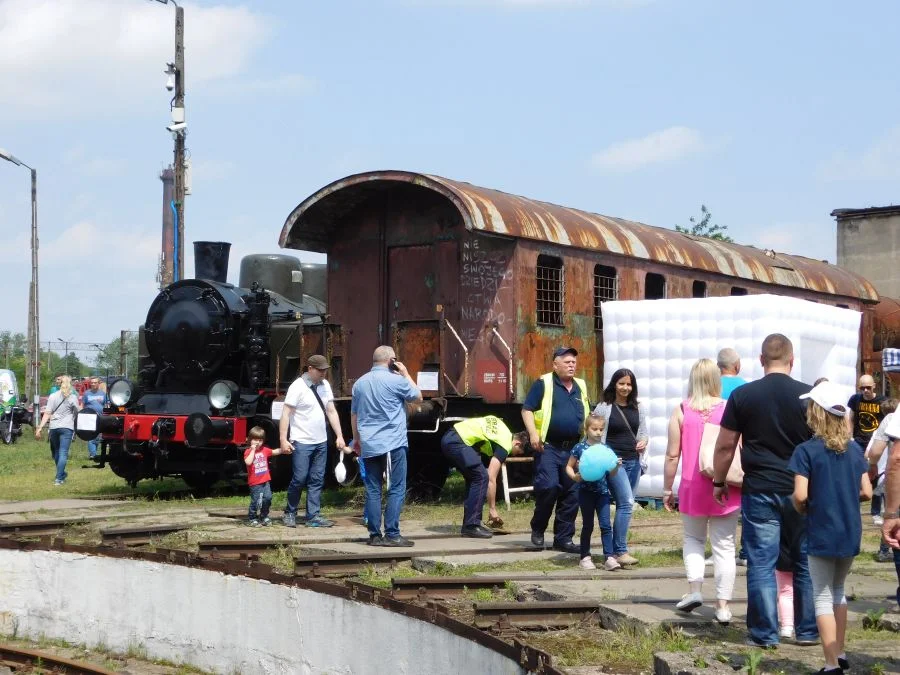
(695, 492)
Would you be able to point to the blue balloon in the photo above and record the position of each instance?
(596, 461)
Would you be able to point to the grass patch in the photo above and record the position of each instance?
(380, 577)
(625, 649)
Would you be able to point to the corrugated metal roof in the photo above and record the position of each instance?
(308, 227)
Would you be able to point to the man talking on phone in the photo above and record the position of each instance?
(378, 417)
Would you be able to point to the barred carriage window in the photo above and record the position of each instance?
(737, 290)
(654, 286)
(606, 287)
(699, 289)
(550, 290)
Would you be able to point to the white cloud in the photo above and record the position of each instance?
(880, 161)
(655, 148)
(78, 57)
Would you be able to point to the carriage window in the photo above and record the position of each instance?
(737, 290)
(606, 287)
(550, 290)
(844, 306)
(699, 289)
(654, 286)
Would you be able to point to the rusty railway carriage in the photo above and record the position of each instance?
(477, 286)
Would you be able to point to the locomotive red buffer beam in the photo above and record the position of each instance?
(194, 430)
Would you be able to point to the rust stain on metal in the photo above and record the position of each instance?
(488, 210)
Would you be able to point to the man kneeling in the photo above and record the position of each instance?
(492, 438)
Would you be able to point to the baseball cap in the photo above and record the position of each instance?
(830, 396)
(318, 361)
(565, 350)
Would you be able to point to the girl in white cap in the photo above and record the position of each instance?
(830, 479)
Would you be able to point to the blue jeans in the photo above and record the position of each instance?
(308, 462)
(60, 440)
(897, 567)
(594, 502)
(620, 487)
(375, 469)
(554, 488)
(764, 514)
(468, 462)
(260, 501)
(92, 447)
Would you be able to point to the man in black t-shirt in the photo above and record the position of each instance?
(770, 418)
(866, 410)
(866, 413)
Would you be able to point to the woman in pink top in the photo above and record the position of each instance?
(699, 512)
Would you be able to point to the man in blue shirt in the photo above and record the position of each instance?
(729, 362)
(378, 417)
(95, 399)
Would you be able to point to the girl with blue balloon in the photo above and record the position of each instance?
(589, 466)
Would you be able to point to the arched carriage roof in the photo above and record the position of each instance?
(309, 227)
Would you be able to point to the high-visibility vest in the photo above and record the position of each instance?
(479, 432)
(542, 416)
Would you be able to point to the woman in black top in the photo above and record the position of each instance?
(626, 434)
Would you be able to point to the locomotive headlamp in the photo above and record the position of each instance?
(120, 393)
(222, 394)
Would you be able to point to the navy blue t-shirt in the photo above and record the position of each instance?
(567, 415)
(833, 524)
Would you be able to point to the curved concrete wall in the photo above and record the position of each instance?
(222, 623)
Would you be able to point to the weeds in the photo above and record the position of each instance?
(872, 619)
(754, 659)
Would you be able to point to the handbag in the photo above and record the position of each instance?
(642, 456)
(735, 475)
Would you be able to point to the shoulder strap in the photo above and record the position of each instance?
(627, 423)
(316, 394)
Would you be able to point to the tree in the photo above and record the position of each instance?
(108, 361)
(702, 228)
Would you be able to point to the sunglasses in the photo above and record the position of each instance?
(865, 388)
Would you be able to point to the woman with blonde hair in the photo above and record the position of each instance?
(61, 412)
(700, 514)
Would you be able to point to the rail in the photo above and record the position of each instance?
(465, 359)
(44, 662)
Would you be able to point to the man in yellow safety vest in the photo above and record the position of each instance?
(463, 446)
(554, 412)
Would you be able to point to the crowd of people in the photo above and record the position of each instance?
(790, 461)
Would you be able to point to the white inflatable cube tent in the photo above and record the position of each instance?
(661, 339)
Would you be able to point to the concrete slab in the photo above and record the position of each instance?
(427, 564)
(647, 602)
(55, 505)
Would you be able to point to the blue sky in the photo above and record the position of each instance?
(770, 113)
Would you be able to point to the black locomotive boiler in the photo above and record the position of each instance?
(213, 359)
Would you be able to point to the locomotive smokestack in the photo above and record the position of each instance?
(211, 260)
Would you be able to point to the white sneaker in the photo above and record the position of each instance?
(611, 564)
(587, 564)
(878, 521)
(786, 632)
(723, 615)
(689, 602)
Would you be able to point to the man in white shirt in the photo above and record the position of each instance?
(308, 407)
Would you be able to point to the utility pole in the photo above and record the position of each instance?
(123, 354)
(178, 104)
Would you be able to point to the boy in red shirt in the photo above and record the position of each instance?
(256, 457)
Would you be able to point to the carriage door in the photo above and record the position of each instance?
(414, 325)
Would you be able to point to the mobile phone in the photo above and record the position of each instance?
(392, 365)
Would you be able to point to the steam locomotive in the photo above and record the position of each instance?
(213, 359)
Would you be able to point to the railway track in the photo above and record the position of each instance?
(17, 659)
(138, 536)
